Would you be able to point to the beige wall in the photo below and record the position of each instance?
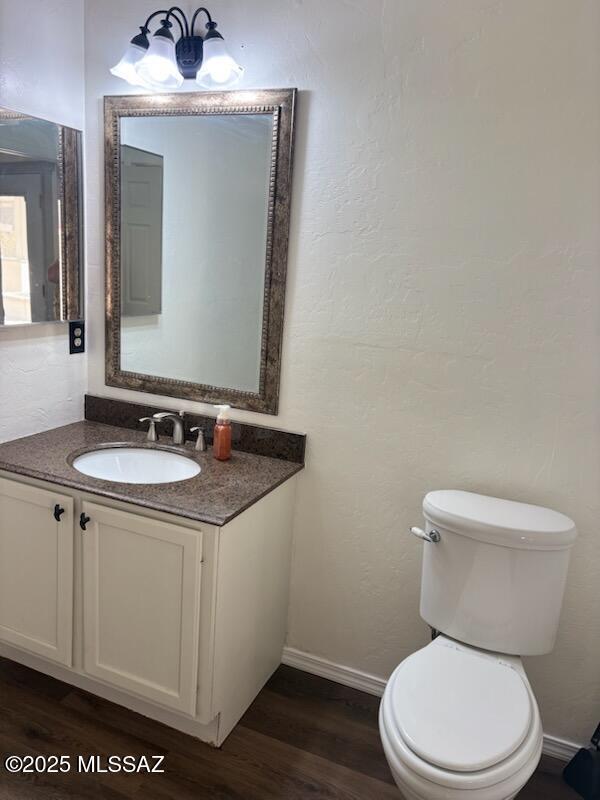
(443, 315)
(41, 73)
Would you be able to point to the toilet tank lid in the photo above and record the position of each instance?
(497, 521)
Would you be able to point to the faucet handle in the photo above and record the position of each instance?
(178, 424)
(152, 435)
(200, 441)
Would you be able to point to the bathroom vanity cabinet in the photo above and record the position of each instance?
(36, 570)
(174, 618)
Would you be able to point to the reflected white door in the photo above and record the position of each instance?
(141, 232)
(25, 300)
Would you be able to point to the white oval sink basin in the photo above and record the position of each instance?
(136, 465)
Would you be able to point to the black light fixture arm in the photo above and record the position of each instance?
(196, 13)
(169, 12)
(146, 26)
(185, 28)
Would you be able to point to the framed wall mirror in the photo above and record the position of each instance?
(197, 217)
(40, 221)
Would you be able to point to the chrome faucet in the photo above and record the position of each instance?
(177, 420)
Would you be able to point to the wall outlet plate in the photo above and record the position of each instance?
(77, 336)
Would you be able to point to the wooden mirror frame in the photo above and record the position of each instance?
(278, 103)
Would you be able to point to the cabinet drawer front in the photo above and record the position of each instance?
(36, 570)
(141, 605)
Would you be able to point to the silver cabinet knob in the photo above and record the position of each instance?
(433, 536)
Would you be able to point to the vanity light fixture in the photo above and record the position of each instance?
(161, 63)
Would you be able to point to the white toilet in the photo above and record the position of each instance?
(458, 718)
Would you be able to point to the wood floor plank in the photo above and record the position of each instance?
(13, 674)
(100, 711)
(304, 738)
(253, 766)
(49, 786)
(323, 729)
(353, 703)
(36, 723)
(56, 787)
(336, 780)
(547, 783)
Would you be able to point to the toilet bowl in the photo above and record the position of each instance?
(458, 718)
(455, 719)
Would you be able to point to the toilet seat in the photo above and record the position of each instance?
(418, 771)
(459, 709)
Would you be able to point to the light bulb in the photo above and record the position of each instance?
(158, 68)
(218, 68)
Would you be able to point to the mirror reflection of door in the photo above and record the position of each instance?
(28, 243)
(141, 232)
(40, 221)
(15, 305)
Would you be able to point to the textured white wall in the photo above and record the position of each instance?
(41, 73)
(442, 323)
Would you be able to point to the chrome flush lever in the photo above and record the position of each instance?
(433, 536)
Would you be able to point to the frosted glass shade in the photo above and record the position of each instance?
(127, 66)
(218, 68)
(158, 68)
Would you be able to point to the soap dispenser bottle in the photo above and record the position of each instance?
(222, 436)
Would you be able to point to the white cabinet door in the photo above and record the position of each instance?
(141, 588)
(36, 570)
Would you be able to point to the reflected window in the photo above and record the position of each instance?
(15, 288)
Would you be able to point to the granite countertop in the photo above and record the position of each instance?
(219, 493)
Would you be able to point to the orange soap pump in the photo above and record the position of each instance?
(222, 437)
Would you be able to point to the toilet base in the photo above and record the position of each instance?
(419, 779)
(431, 791)
(408, 794)
(414, 787)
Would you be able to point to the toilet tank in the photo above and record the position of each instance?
(496, 577)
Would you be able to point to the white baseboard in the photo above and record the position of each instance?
(561, 749)
(334, 672)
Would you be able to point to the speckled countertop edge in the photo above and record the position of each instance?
(221, 491)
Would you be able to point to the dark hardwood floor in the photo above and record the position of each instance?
(303, 737)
